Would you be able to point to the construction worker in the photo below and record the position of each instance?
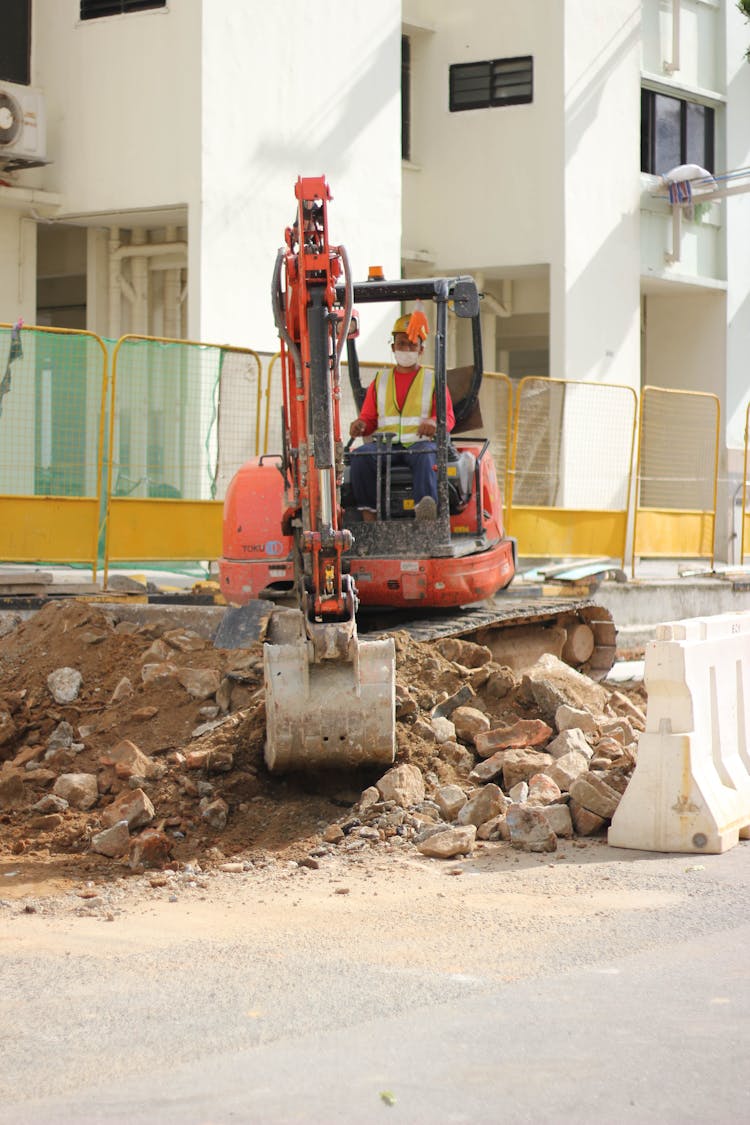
(401, 400)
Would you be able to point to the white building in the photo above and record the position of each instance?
(526, 149)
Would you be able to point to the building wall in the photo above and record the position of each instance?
(738, 235)
(685, 349)
(485, 186)
(684, 342)
(595, 283)
(123, 96)
(176, 112)
(700, 46)
(317, 92)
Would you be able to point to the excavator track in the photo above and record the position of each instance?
(588, 627)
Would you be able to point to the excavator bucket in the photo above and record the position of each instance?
(337, 713)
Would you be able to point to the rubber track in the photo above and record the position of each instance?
(539, 611)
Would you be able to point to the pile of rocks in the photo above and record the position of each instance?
(144, 745)
(529, 781)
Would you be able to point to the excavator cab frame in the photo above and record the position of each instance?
(395, 537)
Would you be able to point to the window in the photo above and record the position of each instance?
(15, 42)
(405, 97)
(497, 82)
(675, 131)
(95, 9)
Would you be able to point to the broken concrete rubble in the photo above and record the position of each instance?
(574, 718)
(132, 806)
(79, 789)
(585, 822)
(402, 784)
(565, 770)
(523, 733)
(201, 784)
(593, 793)
(489, 769)
(530, 829)
(543, 790)
(112, 842)
(450, 843)
(469, 723)
(520, 765)
(552, 684)
(570, 741)
(487, 803)
(450, 799)
(64, 684)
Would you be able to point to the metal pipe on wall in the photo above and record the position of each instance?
(115, 288)
(171, 293)
(139, 278)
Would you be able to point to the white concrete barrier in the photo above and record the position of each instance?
(690, 791)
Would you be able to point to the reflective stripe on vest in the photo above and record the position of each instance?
(417, 405)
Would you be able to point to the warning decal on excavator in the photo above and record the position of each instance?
(410, 567)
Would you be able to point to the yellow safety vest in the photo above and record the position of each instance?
(417, 405)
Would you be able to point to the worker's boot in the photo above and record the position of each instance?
(426, 509)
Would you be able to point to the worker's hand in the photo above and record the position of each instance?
(427, 428)
(357, 428)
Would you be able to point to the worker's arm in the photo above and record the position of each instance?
(367, 422)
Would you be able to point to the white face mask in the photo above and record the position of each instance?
(406, 359)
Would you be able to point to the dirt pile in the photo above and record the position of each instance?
(140, 746)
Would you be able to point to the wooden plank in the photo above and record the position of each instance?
(26, 578)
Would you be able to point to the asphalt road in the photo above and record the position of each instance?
(609, 986)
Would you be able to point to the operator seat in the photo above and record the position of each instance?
(461, 465)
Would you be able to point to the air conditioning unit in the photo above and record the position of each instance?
(23, 126)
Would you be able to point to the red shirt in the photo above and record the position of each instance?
(403, 380)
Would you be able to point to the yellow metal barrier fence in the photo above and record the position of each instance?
(238, 412)
(677, 474)
(571, 468)
(270, 430)
(165, 487)
(53, 390)
(497, 413)
(745, 514)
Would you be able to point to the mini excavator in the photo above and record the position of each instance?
(292, 532)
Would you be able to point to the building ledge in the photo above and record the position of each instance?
(46, 204)
(663, 281)
(663, 83)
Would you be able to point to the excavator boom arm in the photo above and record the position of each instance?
(330, 698)
(314, 323)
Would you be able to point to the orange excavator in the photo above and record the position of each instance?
(292, 532)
